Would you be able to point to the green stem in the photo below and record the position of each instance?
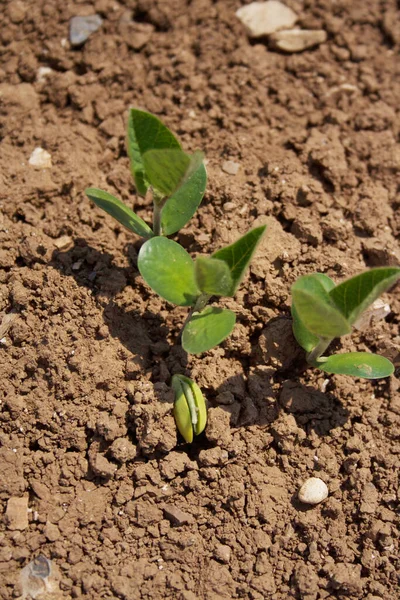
(200, 304)
(191, 402)
(158, 205)
(314, 355)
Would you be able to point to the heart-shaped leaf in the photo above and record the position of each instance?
(315, 308)
(117, 209)
(353, 296)
(146, 132)
(213, 276)
(207, 329)
(304, 337)
(169, 270)
(239, 254)
(183, 203)
(357, 364)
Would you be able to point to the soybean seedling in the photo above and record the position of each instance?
(323, 311)
(162, 171)
(171, 272)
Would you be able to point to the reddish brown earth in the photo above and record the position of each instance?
(120, 505)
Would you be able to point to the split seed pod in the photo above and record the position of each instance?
(190, 410)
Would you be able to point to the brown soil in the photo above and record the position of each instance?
(120, 505)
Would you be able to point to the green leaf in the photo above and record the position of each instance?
(165, 169)
(304, 337)
(239, 254)
(119, 211)
(315, 309)
(169, 270)
(207, 329)
(213, 276)
(353, 296)
(183, 203)
(357, 364)
(190, 409)
(146, 132)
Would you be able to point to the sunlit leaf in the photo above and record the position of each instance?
(183, 203)
(357, 364)
(353, 296)
(213, 276)
(239, 254)
(165, 169)
(146, 132)
(117, 209)
(169, 270)
(207, 329)
(316, 310)
(189, 400)
(304, 337)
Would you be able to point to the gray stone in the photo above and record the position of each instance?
(80, 28)
(264, 18)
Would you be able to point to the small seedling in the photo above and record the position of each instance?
(190, 410)
(171, 272)
(323, 311)
(176, 182)
(162, 171)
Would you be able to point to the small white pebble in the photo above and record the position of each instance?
(230, 167)
(313, 491)
(40, 159)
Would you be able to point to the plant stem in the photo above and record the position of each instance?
(200, 304)
(314, 355)
(158, 204)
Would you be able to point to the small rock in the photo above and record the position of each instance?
(40, 159)
(313, 491)
(80, 28)
(230, 167)
(43, 73)
(63, 242)
(378, 311)
(223, 553)
(17, 513)
(102, 467)
(176, 515)
(51, 532)
(264, 18)
(297, 40)
(122, 450)
(38, 577)
(225, 398)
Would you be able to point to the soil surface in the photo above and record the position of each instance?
(92, 474)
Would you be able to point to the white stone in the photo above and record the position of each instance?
(377, 311)
(313, 491)
(40, 159)
(230, 167)
(43, 73)
(264, 18)
(297, 40)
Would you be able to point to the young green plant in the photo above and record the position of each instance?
(175, 181)
(172, 273)
(323, 311)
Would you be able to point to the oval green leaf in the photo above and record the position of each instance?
(146, 132)
(169, 270)
(357, 364)
(353, 296)
(316, 310)
(184, 202)
(239, 254)
(213, 276)
(207, 329)
(304, 337)
(117, 209)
